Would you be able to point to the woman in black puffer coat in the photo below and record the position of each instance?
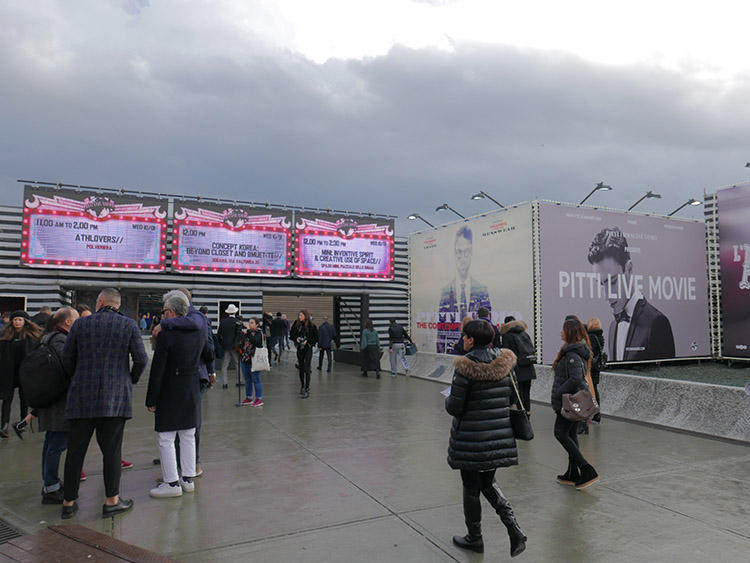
(481, 437)
(571, 365)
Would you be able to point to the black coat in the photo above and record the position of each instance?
(300, 330)
(511, 333)
(8, 367)
(570, 372)
(53, 416)
(649, 336)
(229, 333)
(481, 435)
(174, 382)
(326, 335)
(597, 347)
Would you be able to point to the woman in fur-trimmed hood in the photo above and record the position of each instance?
(481, 436)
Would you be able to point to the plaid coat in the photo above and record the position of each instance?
(97, 353)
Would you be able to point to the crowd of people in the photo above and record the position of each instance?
(101, 355)
(493, 374)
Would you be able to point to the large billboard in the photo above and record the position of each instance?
(734, 245)
(65, 228)
(231, 239)
(343, 246)
(643, 277)
(459, 268)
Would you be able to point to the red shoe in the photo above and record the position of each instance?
(83, 476)
(247, 402)
(125, 464)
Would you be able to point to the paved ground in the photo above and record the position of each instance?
(357, 472)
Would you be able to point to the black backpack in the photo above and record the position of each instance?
(526, 351)
(42, 375)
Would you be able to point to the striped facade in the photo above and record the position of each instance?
(57, 287)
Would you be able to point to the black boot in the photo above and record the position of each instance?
(571, 476)
(501, 505)
(4, 430)
(588, 477)
(473, 517)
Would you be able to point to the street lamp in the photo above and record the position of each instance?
(691, 201)
(649, 194)
(482, 194)
(446, 206)
(414, 216)
(600, 187)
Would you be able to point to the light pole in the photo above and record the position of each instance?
(600, 187)
(414, 216)
(482, 195)
(691, 201)
(446, 206)
(649, 195)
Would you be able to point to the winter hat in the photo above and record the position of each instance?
(19, 313)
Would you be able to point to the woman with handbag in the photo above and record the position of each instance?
(252, 340)
(369, 347)
(304, 334)
(481, 435)
(571, 369)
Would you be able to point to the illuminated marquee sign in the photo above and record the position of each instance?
(344, 247)
(73, 229)
(215, 239)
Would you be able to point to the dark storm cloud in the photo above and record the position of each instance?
(186, 109)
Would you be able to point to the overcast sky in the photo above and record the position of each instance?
(392, 106)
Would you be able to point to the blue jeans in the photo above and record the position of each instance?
(252, 380)
(55, 443)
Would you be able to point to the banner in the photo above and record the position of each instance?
(459, 268)
(643, 277)
(64, 228)
(344, 247)
(734, 245)
(221, 239)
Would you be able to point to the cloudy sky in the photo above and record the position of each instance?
(392, 106)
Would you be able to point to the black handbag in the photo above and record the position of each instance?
(519, 420)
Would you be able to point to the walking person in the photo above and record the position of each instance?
(278, 326)
(287, 328)
(599, 358)
(369, 346)
(251, 340)
(571, 365)
(326, 339)
(304, 334)
(97, 353)
(517, 339)
(16, 341)
(174, 396)
(481, 438)
(230, 330)
(397, 339)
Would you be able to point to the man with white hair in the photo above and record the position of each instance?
(174, 397)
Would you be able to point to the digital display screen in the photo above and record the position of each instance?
(248, 241)
(344, 247)
(79, 229)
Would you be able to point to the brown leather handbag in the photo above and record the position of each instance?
(581, 405)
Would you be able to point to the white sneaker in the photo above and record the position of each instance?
(187, 487)
(165, 490)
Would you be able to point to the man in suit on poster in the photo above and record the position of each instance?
(462, 296)
(639, 330)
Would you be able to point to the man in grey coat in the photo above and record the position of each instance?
(100, 399)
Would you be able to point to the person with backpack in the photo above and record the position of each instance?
(397, 338)
(44, 377)
(516, 338)
(16, 341)
(599, 360)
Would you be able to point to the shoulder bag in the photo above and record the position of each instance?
(260, 357)
(581, 405)
(519, 420)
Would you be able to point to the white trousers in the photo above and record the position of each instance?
(168, 455)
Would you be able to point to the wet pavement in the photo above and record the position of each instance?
(357, 472)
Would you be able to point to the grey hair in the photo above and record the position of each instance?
(110, 296)
(177, 302)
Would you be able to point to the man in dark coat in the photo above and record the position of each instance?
(326, 338)
(230, 330)
(174, 396)
(516, 339)
(484, 314)
(639, 330)
(42, 317)
(278, 326)
(100, 398)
